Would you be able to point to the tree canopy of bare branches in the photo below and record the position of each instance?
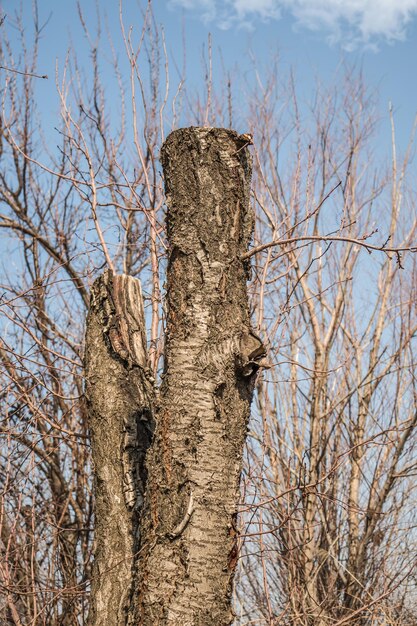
(326, 530)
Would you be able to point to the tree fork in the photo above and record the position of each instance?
(119, 394)
(186, 565)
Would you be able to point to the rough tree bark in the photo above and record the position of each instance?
(185, 569)
(120, 397)
(186, 559)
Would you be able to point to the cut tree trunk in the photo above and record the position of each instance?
(185, 568)
(120, 396)
(166, 537)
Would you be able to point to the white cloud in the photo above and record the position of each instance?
(347, 21)
(208, 8)
(264, 8)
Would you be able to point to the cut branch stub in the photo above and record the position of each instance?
(120, 397)
(186, 565)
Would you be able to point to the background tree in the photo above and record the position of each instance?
(327, 512)
(332, 472)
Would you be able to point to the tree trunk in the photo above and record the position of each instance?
(119, 396)
(168, 555)
(187, 562)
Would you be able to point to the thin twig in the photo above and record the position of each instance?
(10, 69)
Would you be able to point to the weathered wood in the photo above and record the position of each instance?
(120, 396)
(187, 561)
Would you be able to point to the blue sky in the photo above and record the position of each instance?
(311, 36)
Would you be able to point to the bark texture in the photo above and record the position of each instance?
(119, 395)
(186, 565)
